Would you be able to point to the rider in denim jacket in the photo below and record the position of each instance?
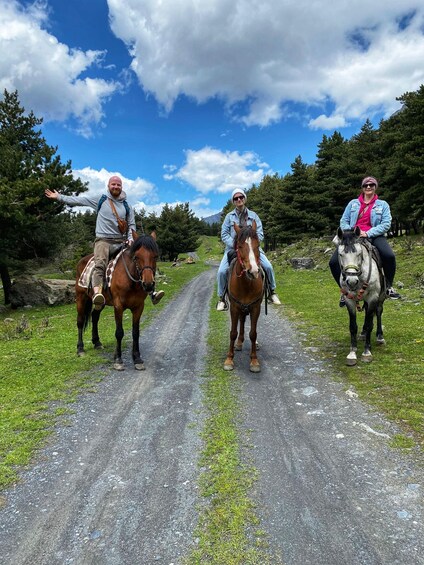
(241, 214)
(374, 219)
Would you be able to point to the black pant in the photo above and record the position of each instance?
(387, 258)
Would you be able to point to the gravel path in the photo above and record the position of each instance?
(119, 484)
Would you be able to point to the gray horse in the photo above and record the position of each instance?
(361, 280)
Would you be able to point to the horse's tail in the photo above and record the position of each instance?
(87, 314)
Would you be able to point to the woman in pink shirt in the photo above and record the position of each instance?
(374, 219)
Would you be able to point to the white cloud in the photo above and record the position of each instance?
(136, 189)
(328, 122)
(48, 74)
(353, 56)
(211, 170)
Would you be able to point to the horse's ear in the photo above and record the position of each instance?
(236, 227)
(357, 231)
(153, 234)
(134, 234)
(254, 225)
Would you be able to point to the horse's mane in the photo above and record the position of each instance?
(245, 232)
(146, 241)
(349, 238)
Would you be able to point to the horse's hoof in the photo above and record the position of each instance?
(139, 366)
(228, 366)
(381, 341)
(366, 357)
(351, 359)
(255, 368)
(238, 346)
(119, 366)
(81, 353)
(98, 345)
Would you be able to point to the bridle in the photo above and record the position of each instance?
(355, 270)
(245, 271)
(139, 270)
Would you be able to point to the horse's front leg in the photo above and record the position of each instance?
(368, 326)
(138, 361)
(95, 316)
(119, 334)
(254, 316)
(235, 314)
(240, 338)
(353, 328)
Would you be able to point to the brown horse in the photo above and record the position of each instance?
(245, 292)
(133, 278)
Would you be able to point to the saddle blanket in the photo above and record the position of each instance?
(85, 278)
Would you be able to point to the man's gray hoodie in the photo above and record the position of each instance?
(106, 223)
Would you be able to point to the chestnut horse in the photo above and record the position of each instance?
(133, 278)
(245, 292)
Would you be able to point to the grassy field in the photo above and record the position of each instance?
(41, 374)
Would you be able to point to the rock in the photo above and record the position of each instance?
(302, 263)
(30, 291)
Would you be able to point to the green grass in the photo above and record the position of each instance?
(228, 530)
(41, 373)
(393, 382)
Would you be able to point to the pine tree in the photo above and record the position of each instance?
(30, 225)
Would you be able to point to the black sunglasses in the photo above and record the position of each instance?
(369, 184)
(238, 198)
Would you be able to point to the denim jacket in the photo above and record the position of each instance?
(228, 232)
(381, 218)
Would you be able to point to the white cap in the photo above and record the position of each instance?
(238, 191)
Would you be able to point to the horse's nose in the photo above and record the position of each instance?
(148, 286)
(254, 271)
(352, 282)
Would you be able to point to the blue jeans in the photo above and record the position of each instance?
(223, 270)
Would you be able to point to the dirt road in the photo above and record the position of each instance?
(118, 485)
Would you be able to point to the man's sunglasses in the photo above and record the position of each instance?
(369, 184)
(238, 198)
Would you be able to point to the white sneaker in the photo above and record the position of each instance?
(157, 296)
(221, 306)
(274, 299)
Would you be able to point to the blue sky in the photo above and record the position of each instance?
(187, 100)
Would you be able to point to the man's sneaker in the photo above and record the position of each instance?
(342, 301)
(221, 306)
(98, 301)
(157, 296)
(391, 293)
(274, 299)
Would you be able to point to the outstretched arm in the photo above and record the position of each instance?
(51, 194)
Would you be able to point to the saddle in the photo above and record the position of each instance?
(374, 252)
(85, 278)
